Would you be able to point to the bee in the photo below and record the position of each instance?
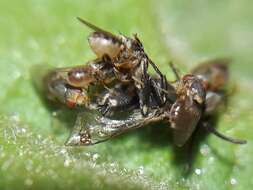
(183, 115)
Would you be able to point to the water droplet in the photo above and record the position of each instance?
(198, 171)
(233, 181)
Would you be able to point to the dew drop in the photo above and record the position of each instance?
(233, 181)
(198, 171)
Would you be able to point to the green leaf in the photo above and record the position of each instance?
(32, 133)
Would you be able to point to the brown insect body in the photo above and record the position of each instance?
(215, 76)
(103, 44)
(129, 59)
(183, 115)
(71, 85)
(214, 73)
(124, 84)
(187, 109)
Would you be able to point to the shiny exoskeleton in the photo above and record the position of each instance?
(183, 115)
(117, 83)
(72, 86)
(130, 63)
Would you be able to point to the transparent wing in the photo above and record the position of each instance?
(92, 128)
(214, 72)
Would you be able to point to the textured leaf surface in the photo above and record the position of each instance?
(32, 133)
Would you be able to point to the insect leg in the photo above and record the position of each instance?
(175, 71)
(222, 136)
(142, 83)
(163, 90)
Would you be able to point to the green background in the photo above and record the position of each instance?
(32, 134)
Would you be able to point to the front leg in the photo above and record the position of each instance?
(162, 91)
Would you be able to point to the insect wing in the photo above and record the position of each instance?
(214, 72)
(92, 128)
(213, 100)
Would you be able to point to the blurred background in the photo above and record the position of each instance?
(32, 151)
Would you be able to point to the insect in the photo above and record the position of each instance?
(72, 86)
(214, 74)
(130, 64)
(184, 115)
(121, 95)
(120, 59)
